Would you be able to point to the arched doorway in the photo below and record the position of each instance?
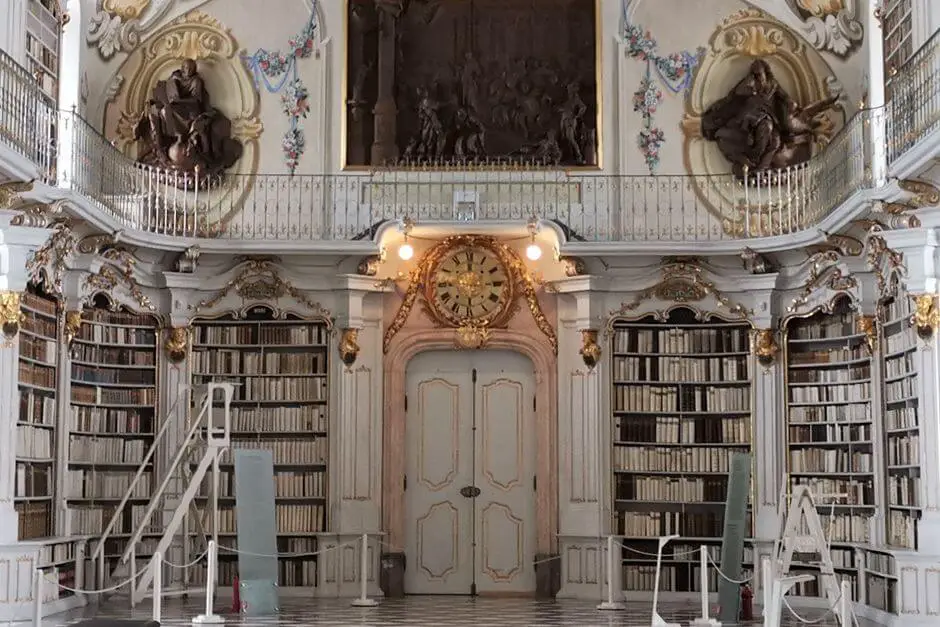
(470, 447)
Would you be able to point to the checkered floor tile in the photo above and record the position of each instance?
(413, 611)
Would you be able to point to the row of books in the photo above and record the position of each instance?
(35, 519)
(652, 398)
(97, 334)
(903, 451)
(100, 316)
(823, 433)
(901, 389)
(684, 430)
(672, 489)
(680, 369)
(30, 303)
(903, 490)
(34, 374)
(307, 451)
(291, 573)
(92, 449)
(902, 529)
(832, 393)
(133, 376)
(638, 578)
(33, 480)
(238, 362)
(105, 484)
(899, 366)
(42, 329)
(686, 524)
(842, 527)
(37, 348)
(88, 520)
(34, 442)
(682, 341)
(680, 459)
(298, 388)
(832, 328)
(262, 333)
(847, 412)
(306, 518)
(37, 409)
(829, 375)
(826, 357)
(830, 461)
(110, 420)
(286, 484)
(111, 356)
(280, 418)
(111, 396)
(899, 343)
(851, 492)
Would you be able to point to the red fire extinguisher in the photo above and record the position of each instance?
(747, 603)
(236, 597)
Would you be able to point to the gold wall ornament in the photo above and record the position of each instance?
(46, 266)
(11, 317)
(824, 273)
(118, 270)
(765, 346)
(924, 194)
(884, 262)
(73, 324)
(590, 350)
(472, 336)
(369, 266)
(573, 266)
(349, 346)
(125, 9)
(821, 8)
(683, 281)
(868, 326)
(259, 280)
(926, 317)
(176, 344)
(10, 193)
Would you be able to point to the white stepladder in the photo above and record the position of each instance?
(801, 532)
(657, 619)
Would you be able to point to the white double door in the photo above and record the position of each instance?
(470, 473)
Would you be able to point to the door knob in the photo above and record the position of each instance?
(470, 491)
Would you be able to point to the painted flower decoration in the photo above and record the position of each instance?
(647, 98)
(649, 142)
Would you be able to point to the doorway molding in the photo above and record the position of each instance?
(402, 349)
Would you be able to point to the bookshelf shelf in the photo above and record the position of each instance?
(112, 415)
(831, 439)
(901, 422)
(36, 423)
(281, 371)
(681, 403)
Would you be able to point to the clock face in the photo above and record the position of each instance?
(470, 284)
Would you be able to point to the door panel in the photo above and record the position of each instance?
(462, 433)
(505, 469)
(439, 463)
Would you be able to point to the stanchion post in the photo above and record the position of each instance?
(209, 618)
(156, 566)
(133, 570)
(610, 603)
(364, 600)
(705, 620)
(845, 604)
(100, 568)
(37, 597)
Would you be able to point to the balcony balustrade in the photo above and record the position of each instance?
(591, 207)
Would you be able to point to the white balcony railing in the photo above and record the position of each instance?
(588, 206)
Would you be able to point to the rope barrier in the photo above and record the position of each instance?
(294, 555)
(655, 555)
(102, 591)
(726, 577)
(398, 549)
(815, 621)
(190, 564)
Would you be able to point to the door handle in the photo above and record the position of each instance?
(470, 491)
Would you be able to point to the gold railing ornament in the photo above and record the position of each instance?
(10, 315)
(590, 349)
(176, 344)
(765, 346)
(926, 317)
(349, 346)
(73, 323)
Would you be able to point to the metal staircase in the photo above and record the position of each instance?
(208, 436)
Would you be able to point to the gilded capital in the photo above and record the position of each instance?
(10, 315)
(73, 323)
(590, 350)
(765, 346)
(176, 344)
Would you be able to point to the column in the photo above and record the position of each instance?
(926, 17)
(877, 138)
(17, 243)
(584, 468)
(384, 146)
(355, 440)
(13, 30)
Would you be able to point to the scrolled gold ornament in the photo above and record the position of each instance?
(590, 350)
(176, 343)
(765, 346)
(349, 346)
(73, 323)
(926, 317)
(10, 315)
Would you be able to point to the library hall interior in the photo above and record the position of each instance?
(655, 282)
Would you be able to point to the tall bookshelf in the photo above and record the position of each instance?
(830, 434)
(34, 498)
(280, 367)
(681, 404)
(901, 422)
(111, 423)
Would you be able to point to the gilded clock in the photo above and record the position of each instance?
(469, 284)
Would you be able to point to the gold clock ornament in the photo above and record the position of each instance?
(470, 282)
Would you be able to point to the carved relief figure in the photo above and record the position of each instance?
(758, 126)
(181, 131)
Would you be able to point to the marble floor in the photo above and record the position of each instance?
(413, 611)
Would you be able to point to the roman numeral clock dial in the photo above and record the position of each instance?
(469, 285)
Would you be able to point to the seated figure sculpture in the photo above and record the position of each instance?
(181, 132)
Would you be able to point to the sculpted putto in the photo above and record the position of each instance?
(758, 126)
(181, 131)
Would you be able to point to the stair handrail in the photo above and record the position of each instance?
(99, 549)
(156, 495)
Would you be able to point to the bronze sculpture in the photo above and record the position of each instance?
(758, 126)
(181, 132)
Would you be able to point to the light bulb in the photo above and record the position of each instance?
(406, 252)
(533, 252)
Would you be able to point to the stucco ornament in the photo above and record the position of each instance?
(117, 25)
(830, 25)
